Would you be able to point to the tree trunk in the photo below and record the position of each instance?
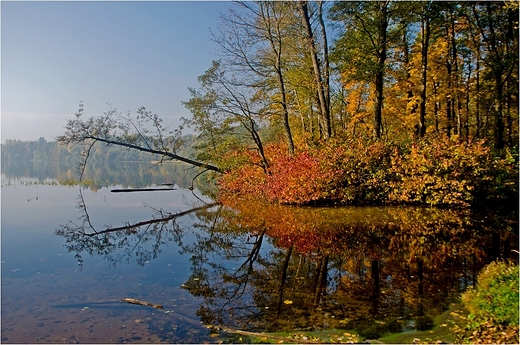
(285, 112)
(477, 112)
(498, 70)
(406, 58)
(425, 28)
(378, 106)
(161, 153)
(380, 74)
(498, 128)
(322, 98)
(449, 97)
(326, 64)
(454, 76)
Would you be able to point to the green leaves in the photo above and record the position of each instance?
(493, 306)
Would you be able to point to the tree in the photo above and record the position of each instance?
(144, 132)
(425, 43)
(253, 43)
(495, 23)
(223, 108)
(369, 29)
(322, 83)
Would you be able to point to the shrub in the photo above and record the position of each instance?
(493, 306)
(434, 172)
(446, 173)
(496, 294)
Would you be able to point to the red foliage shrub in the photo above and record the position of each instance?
(439, 173)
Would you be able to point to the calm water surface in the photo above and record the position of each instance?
(70, 253)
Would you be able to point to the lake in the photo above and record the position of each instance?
(70, 254)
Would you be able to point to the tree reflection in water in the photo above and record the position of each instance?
(270, 267)
(117, 244)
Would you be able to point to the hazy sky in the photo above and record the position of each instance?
(128, 54)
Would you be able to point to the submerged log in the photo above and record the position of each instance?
(265, 335)
(136, 301)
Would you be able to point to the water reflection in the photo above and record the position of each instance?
(104, 174)
(344, 267)
(47, 299)
(266, 267)
(142, 240)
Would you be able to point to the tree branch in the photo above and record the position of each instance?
(157, 152)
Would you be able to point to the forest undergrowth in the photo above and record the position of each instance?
(434, 172)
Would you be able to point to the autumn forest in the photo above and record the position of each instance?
(370, 102)
(363, 102)
(348, 172)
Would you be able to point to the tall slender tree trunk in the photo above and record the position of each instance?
(454, 76)
(326, 64)
(275, 40)
(477, 91)
(449, 96)
(283, 101)
(498, 71)
(466, 120)
(406, 58)
(508, 120)
(425, 28)
(380, 74)
(322, 98)
(498, 128)
(436, 107)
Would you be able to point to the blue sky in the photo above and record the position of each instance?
(128, 54)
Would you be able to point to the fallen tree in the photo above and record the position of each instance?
(143, 132)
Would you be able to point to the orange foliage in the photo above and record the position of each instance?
(440, 173)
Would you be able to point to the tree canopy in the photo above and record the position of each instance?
(414, 77)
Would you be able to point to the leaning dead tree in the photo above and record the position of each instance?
(143, 132)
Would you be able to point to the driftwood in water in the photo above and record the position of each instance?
(139, 190)
(266, 335)
(136, 301)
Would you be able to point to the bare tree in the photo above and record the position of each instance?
(252, 42)
(230, 106)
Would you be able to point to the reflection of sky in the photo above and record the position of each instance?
(39, 274)
(29, 217)
(31, 214)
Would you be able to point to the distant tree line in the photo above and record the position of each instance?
(43, 150)
(100, 174)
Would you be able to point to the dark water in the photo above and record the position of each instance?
(70, 253)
